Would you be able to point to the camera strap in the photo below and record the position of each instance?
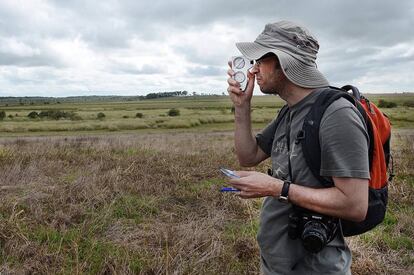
(287, 134)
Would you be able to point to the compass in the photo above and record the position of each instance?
(239, 62)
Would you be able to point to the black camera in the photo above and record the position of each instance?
(314, 229)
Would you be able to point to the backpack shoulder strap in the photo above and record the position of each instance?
(281, 114)
(309, 135)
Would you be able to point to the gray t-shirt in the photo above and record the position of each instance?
(344, 153)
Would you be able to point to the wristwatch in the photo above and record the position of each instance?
(284, 194)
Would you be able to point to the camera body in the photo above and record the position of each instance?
(314, 229)
(240, 66)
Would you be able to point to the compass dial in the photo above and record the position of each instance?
(239, 77)
(239, 63)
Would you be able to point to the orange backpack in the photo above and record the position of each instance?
(379, 131)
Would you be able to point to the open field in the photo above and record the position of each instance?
(149, 204)
(130, 195)
(196, 114)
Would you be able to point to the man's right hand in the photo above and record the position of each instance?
(240, 98)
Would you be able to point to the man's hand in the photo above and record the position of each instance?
(239, 97)
(256, 185)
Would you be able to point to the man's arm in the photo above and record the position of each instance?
(247, 150)
(348, 199)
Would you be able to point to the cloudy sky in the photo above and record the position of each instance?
(79, 47)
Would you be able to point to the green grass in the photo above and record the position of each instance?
(195, 113)
(135, 208)
(72, 248)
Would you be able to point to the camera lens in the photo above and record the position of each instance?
(314, 236)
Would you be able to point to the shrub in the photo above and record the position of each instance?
(386, 104)
(58, 114)
(409, 103)
(125, 116)
(2, 115)
(100, 115)
(139, 115)
(33, 115)
(174, 112)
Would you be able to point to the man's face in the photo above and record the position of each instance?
(269, 75)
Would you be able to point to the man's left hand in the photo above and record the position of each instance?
(256, 185)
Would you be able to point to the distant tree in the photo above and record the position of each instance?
(2, 115)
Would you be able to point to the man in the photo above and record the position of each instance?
(285, 55)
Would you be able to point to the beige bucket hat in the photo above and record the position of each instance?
(296, 49)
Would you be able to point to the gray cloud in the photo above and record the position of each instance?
(358, 39)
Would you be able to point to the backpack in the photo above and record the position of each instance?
(379, 131)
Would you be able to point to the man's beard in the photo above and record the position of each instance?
(275, 85)
(274, 90)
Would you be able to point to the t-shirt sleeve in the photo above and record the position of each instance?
(344, 142)
(265, 138)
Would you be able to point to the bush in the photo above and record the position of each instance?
(100, 115)
(409, 103)
(33, 115)
(386, 104)
(125, 116)
(139, 115)
(58, 114)
(2, 115)
(174, 112)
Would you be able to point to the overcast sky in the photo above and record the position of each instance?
(66, 48)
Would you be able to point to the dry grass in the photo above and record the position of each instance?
(133, 204)
(149, 204)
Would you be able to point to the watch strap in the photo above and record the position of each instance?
(284, 194)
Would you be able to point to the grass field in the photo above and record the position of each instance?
(210, 113)
(147, 202)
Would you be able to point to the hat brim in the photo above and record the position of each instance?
(296, 71)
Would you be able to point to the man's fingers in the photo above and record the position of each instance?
(248, 195)
(233, 82)
(234, 90)
(243, 173)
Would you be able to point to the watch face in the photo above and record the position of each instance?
(239, 62)
(239, 77)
